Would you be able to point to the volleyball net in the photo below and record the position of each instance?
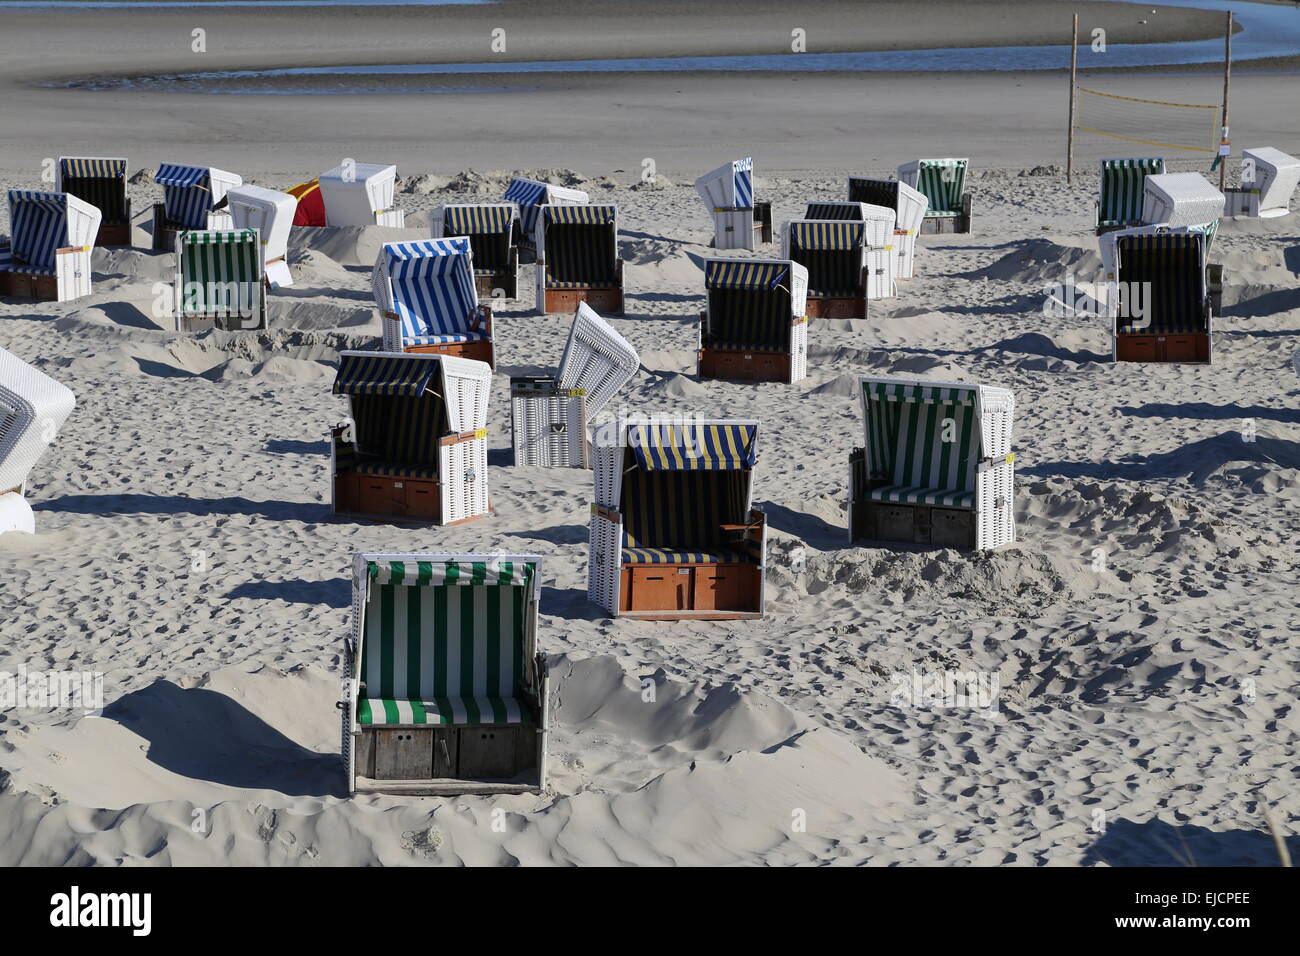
(1107, 119)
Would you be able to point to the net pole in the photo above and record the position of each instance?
(1227, 86)
(1074, 73)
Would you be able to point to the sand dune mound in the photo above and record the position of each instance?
(348, 245)
(133, 263)
(1041, 261)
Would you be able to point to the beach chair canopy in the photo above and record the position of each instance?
(941, 181)
(429, 286)
(191, 192)
(95, 180)
(220, 272)
(750, 303)
(596, 359)
(730, 186)
(1180, 199)
(855, 211)
(42, 223)
(311, 205)
(1275, 174)
(1173, 263)
(271, 214)
(909, 205)
(33, 407)
(1120, 189)
(580, 245)
(832, 252)
(530, 195)
(447, 639)
(354, 192)
(489, 228)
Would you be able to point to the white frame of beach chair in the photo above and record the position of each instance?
(33, 407)
(70, 276)
(362, 194)
(1180, 199)
(752, 364)
(909, 207)
(550, 415)
(488, 284)
(110, 233)
(606, 570)
(443, 738)
(993, 507)
(552, 300)
(462, 484)
(220, 181)
(933, 222)
(271, 213)
(201, 321)
(537, 194)
(735, 224)
(1269, 178)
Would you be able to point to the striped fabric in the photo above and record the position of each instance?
(488, 229)
(399, 436)
(383, 375)
(433, 286)
(1121, 188)
(1209, 230)
(579, 247)
(368, 465)
(528, 195)
(444, 645)
(748, 319)
(836, 210)
(827, 235)
(693, 447)
(923, 495)
(187, 194)
(942, 181)
(39, 223)
(831, 252)
(670, 556)
(874, 192)
(221, 271)
(1173, 265)
(744, 173)
(580, 215)
(680, 512)
(456, 338)
(907, 447)
(744, 274)
(100, 182)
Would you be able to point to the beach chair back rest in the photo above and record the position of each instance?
(581, 246)
(38, 223)
(873, 192)
(832, 252)
(488, 229)
(400, 429)
(431, 283)
(1169, 268)
(100, 182)
(1122, 188)
(596, 359)
(750, 303)
(221, 271)
(187, 194)
(942, 182)
(922, 436)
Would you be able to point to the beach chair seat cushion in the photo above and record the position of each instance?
(373, 711)
(914, 495)
(392, 469)
(25, 270)
(943, 212)
(738, 346)
(455, 338)
(559, 284)
(681, 556)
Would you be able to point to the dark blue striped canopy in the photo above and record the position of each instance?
(691, 446)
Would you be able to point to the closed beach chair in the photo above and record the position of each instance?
(101, 182)
(1158, 294)
(577, 258)
(47, 255)
(943, 182)
(490, 228)
(1120, 190)
(33, 407)
(937, 468)
(446, 692)
(739, 220)
(550, 415)
(271, 213)
(427, 300)
(360, 194)
(194, 197)
(219, 280)
(1180, 199)
(909, 213)
(311, 207)
(755, 326)
(1268, 180)
(414, 445)
(673, 534)
(529, 196)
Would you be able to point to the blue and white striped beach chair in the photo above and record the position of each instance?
(47, 255)
(193, 198)
(740, 221)
(530, 195)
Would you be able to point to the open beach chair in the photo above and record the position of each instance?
(755, 326)
(550, 415)
(446, 692)
(100, 182)
(849, 258)
(577, 258)
(271, 213)
(943, 182)
(1268, 179)
(1162, 273)
(414, 447)
(1120, 191)
(739, 220)
(909, 207)
(427, 300)
(219, 280)
(490, 228)
(360, 194)
(33, 407)
(47, 255)
(937, 468)
(530, 195)
(194, 197)
(673, 534)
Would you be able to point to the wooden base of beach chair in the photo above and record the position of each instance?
(448, 759)
(21, 286)
(479, 351)
(382, 496)
(960, 223)
(669, 592)
(913, 524)
(114, 234)
(847, 307)
(1191, 347)
(604, 301)
(752, 366)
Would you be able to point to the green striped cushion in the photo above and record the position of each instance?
(443, 710)
(911, 494)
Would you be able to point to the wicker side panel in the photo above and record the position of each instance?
(605, 548)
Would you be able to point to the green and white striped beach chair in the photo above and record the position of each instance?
(937, 468)
(943, 183)
(446, 692)
(1121, 186)
(219, 280)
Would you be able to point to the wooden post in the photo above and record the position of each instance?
(1074, 71)
(1227, 83)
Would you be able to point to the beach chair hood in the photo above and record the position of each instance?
(1275, 174)
(33, 407)
(1180, 199)
(596, 359)
(730, 186)
(353, 193)
(42, 223)
(429, 286)
(941, 181)
(271, 213)
(191, 192)
(530, 194)
(97, 180)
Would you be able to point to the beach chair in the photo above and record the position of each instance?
(577, 259)
(673, 535)
(414, 447)
(1157, 296)
(445, 690)
(530, 195)
(427, 301)
(937, 468)
(219, 280)
(1120, 190)
(47, 255)
(739, 220)
(101, 183)
(490, 228)
(550, 415)
(755, 327)
(194, 197)
(1268, 179)
(849, 259)
(1180, 199)
(311, 207)
(360, 194)
(33, 407)
(943, 182)
(271, 213)
(909, 211)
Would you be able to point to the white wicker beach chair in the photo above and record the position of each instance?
(577, 258)
(673, 533)
(47, 256)
(33, 407)
(361, 194)
(909, 207)
(755, 326)
(1180, 199)
(937, 468)
(446, 691)
(194, 197)
(271, 213)
(101, 182)
(491, 228)
(530, 196)
(739, 220)
(943, 183)
(1268, 179)
(550, 415)
(414, 447)
(219, 280)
